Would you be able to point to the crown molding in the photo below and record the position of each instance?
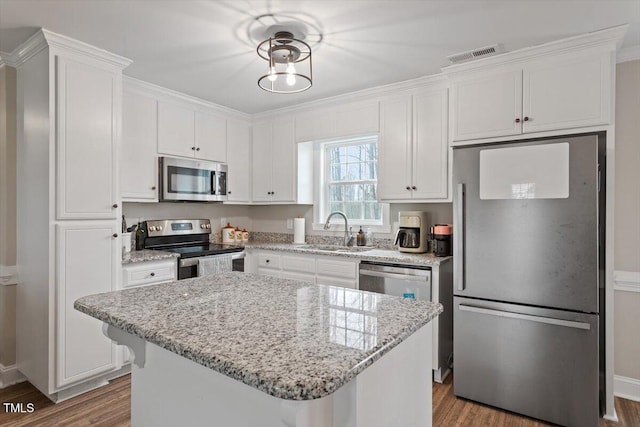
(631, 53)
(609, 38)
(7, 59)
(357, 96)
(45, 38)
(145, 88)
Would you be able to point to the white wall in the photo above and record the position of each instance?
(627, 218)
(7, 212)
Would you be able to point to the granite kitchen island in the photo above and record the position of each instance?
(246, 350)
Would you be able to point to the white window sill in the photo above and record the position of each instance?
(339, 227)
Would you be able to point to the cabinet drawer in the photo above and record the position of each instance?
(298, 263)
(269, 261)
(301, 277)
(335, 268)
(148, 273)
(336, 281)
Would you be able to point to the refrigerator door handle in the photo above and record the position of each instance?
(539, 319)
(458, 235)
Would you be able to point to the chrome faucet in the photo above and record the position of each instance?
(348, 240)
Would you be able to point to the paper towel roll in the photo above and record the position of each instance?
(298, 230)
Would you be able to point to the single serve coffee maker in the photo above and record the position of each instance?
(412, 235)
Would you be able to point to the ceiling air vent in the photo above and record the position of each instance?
(476, 54)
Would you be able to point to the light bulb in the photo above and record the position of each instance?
(291, 79)
(272, 75)
(291, 69)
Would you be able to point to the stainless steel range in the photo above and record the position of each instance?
(190, 239)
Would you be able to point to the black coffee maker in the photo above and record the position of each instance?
(441, 240)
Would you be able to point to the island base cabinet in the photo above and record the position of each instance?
(394, 391)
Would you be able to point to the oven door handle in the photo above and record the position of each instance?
(190, 262)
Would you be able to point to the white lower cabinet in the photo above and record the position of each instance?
(86, 264)
(149, 273)
(314, 269)
(144, 274)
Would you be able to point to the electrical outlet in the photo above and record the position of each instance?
(289, 224)
(223, 222)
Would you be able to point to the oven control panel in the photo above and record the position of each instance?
(178, 227)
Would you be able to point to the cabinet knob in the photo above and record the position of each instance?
(414, 188)
(153, 188)
(518, 120)
(152, 274)
(267, 261)
(198, 149)
(526, 119)
(193, 148)
(115, 206)
(408, 188)
(115, 235)
(229, 192)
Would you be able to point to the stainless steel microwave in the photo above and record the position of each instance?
(192, 180)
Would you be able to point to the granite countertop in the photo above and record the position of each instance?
(286, 338)
(146, 255)
(361, 253)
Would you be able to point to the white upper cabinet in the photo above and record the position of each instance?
(274, 161)
(88, 107)
(238, 162)
(541, 89)
(210, 136)
(413, 164)
(185, 130)
(430, 146)
(394, 164)
(262, 162)
(138, 156)
(567, 92)
(176, 129)
(357, 118)
(284, 161)
(487, 105)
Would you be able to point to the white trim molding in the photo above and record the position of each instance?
(608, 38)
(45, 38)
(626, 281)
(626, 388)
(8, 275)
(627, 54)
(10, 375)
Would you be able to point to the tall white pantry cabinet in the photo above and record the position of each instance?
(69, 113)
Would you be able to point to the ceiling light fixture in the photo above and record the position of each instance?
(289, 60)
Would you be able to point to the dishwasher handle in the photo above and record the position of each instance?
(386, 275)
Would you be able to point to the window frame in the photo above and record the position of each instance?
(321, 189)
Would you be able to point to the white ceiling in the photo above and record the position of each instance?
(202, 48)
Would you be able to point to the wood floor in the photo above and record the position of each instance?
(110, 406)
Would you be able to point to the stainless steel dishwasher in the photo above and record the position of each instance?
(408, 281)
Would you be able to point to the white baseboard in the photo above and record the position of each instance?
(628, 281)
(10, 375)
(626, 388)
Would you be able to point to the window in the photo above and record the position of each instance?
(348, 181)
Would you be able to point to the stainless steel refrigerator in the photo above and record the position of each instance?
(529, 276)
